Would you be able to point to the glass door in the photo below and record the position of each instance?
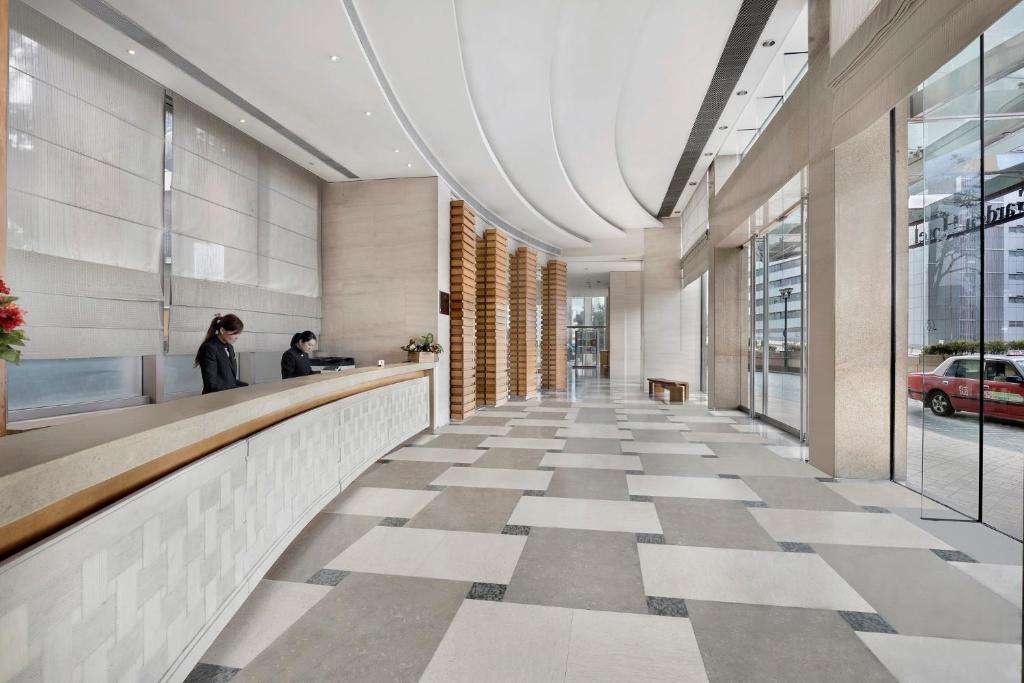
(586, 344)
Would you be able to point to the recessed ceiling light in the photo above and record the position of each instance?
(368, 113)
(241, 120)
(335, 58)
(741, 93)
(311, 163)
(408, 165)
(723, 127)
(768, 43)
(708, 154)
(692, 183)
(396, 150)
(130, 51)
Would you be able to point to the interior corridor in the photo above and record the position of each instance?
(603, 535)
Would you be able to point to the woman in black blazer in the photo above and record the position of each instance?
(216, 356)
(295, 361)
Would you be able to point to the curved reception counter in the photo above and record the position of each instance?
(130, 539)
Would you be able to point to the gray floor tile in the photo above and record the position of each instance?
(483, 421)
(511, 458)
(711, 523)
(980, 542)
(780, 644)
(647, 418)
(457, 441)
(402, 474)
(370, 628)
(658, 435)
(596, 416)
(680, 465)
(582, 445)
(461, 508)
(533, 432)
(597, 570)
(797, 493)
(588, 483)
(741, 449)
(319, 543)
(921, 595)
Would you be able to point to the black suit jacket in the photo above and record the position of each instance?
(295, 363)
(219, 366)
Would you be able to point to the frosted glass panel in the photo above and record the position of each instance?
(180, 377)
(55, 382)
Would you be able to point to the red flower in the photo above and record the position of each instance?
(3, 287)
(11, 317)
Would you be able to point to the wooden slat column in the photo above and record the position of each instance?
(523, 327)
(554, 321)
(492, 329)
(463, 310)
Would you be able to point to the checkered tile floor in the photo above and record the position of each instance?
(605, 536)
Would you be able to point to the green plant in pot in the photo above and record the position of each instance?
(423, 350)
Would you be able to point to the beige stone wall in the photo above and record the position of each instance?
(625, 304)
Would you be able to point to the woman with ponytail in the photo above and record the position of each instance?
(295, 361)
(216, 356)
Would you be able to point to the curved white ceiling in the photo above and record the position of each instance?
(594, 43)
(507, 51)
(431, 91)
(671, 68)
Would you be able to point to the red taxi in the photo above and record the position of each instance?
(954, 386)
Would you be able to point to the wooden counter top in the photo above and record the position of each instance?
(53, 476)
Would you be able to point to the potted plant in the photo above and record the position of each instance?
(11, 320)
(423, 350)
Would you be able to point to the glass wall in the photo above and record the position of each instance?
(777, 381)
(588, 333)
(965, 250)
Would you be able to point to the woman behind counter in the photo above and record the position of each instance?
(295, 361)
(216, 356)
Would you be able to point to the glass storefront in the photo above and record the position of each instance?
(965, 251)
(587, 336)
(778, 306)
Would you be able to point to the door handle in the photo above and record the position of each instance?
(985, 386)
(945, 381)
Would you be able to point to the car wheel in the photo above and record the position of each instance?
(940, 404)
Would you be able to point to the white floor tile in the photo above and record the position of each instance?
(844, 528)
(433, 554)
(592, 431)
(266, 613)
(640, 411)
(479, 430)
(502, 641)
(494, 478)
(422, 439)
(540, 422)
(546, 409)
(701, 419)
(1002, 579)
(614, 647)
(749, 576)
(919, 659)
(762, 465)
(533, 444)
(689, 487)
(427, 454)
(655, 426)
(881, 494)
(667, 448)
(502, 413)
(724, 437)
(380, 502)
(728, 413)
(592, 460)
(596, 515)
(788, 452)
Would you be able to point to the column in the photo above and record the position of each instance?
(463, 310)
(728, 327)
(523, 327)
(554, 321)
(492, 330)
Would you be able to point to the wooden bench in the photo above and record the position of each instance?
(678, 391)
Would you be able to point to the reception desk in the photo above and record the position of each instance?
(131, 539)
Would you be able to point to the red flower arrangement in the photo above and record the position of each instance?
(11, 319)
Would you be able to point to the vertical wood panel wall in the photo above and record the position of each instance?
(492, 331)
(554, 375)
(523, 328)
(463, 310)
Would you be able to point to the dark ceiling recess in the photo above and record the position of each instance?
(743, 39)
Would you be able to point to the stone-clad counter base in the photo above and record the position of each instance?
(140, 589)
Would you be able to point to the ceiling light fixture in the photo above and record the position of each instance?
(741, 93)
(709, 154)
(768, 43)
(130, 51)
(335, 58)
(241, 120)
(396, 150)
(693, 183)
(409, 165)
(723, 127)
(368, 113)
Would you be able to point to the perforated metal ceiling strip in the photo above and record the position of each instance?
(746, 31)
(119, 22)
